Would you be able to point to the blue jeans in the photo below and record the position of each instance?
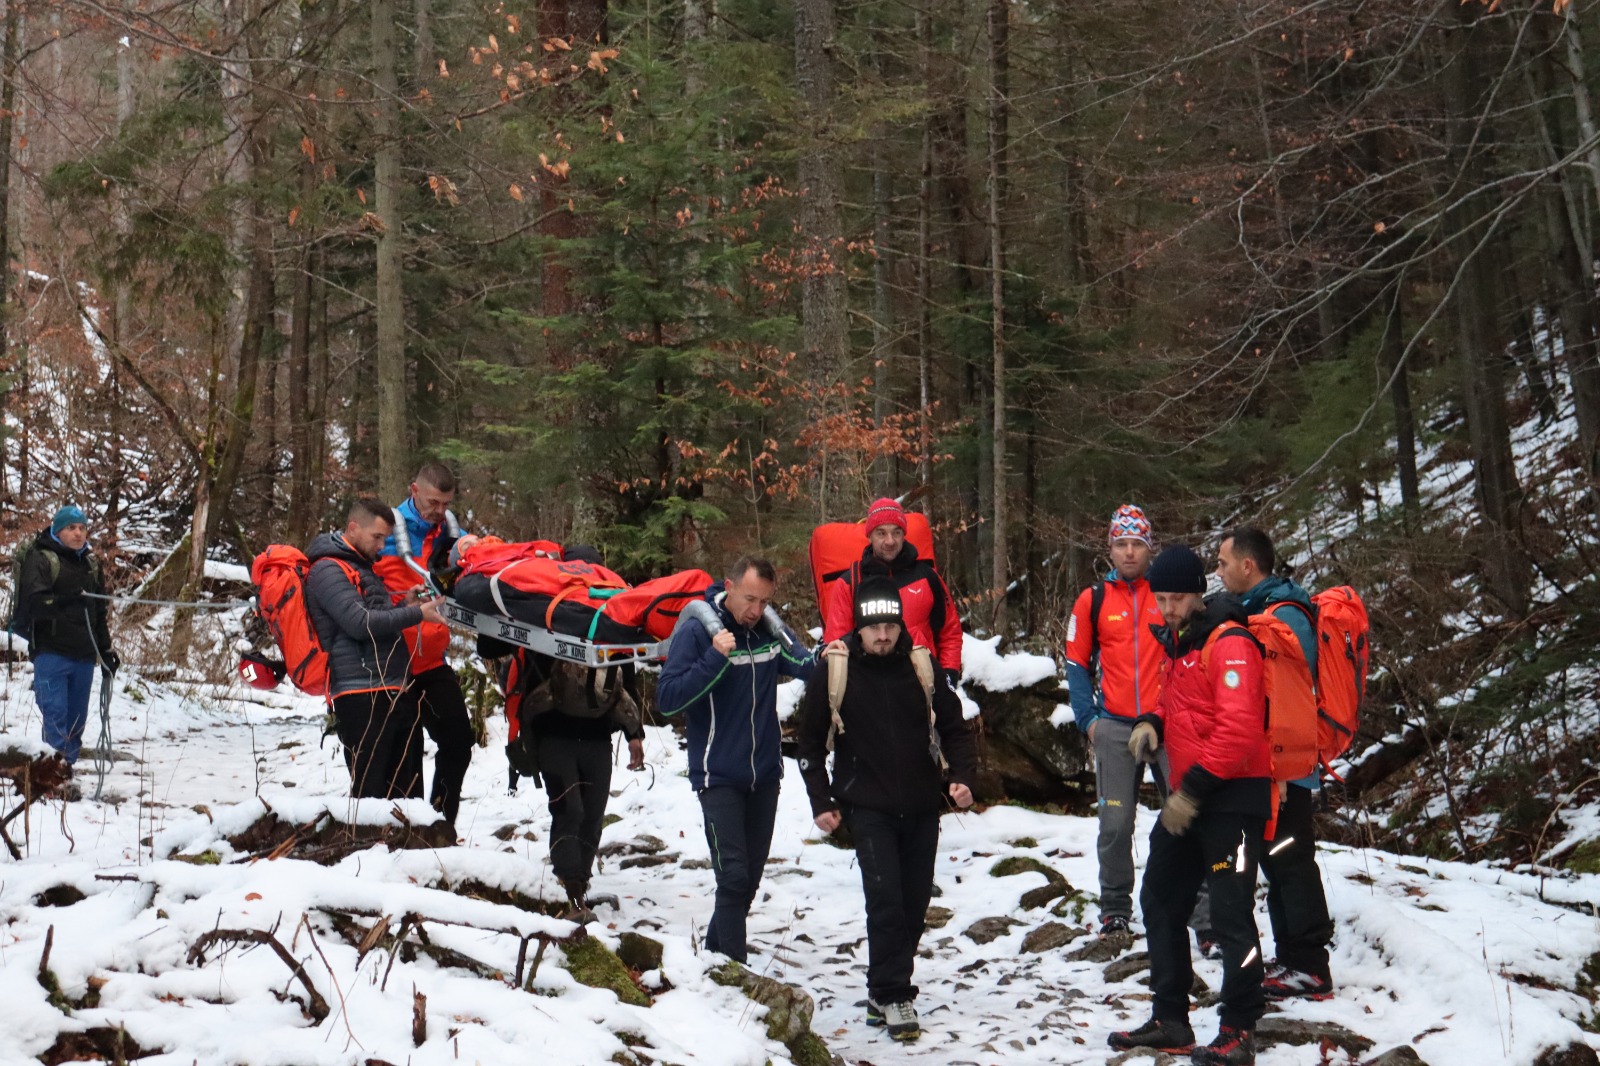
(739, 831)
(61, 688)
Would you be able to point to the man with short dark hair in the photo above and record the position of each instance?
(722, 670)
(362, 632)
(66, 630)
(1296, 902)
(424, 532)
(930, 613)
(902, 755)
(1211, 719)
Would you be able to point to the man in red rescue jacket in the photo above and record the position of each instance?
(1211, 719)
(424, 530)
(929, 612)
(1114, 667)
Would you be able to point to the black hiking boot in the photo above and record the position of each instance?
(1232, 1047)
(1162, 1034)
(1284, 983)
(1115, 926)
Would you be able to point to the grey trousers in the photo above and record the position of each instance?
(1117, 776)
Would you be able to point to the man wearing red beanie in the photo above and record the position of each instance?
(929, 613)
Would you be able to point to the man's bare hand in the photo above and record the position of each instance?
(724, 642)
(430, 610)
(836, 647)
(827, 821)
(960, 795)
(636, 754)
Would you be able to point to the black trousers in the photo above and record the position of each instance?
(1301, 928)
(442, 709)
(896, 854)
(577, 779)
(376, 728)
(739, 832)
(1221, 850)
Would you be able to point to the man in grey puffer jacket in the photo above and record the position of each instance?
(369, 663)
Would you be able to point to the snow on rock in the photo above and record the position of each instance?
(983, 665)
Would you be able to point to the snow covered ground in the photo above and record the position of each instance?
(1464, 963)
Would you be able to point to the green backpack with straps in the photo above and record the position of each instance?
(21, 623)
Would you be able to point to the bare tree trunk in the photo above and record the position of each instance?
(822, 292)
(999, 62)
(389, 294)
(1477, 299)
(9, 52)
(1405, 425)
(925, 271)
(883, 333)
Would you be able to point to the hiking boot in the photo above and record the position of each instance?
(1232, 1047)
(1210, 947)
(1284, 983)
(901, 1021)
(1161, 1034)
(1115, 926)
(874, 1014)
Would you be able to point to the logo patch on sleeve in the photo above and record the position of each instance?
(1231, 678)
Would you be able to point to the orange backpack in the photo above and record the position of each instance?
(1342, 652)
(1291, 697)
(279, 575)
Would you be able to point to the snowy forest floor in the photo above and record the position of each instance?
(1464, 963)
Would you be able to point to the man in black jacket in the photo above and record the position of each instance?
(66, 630)
(369, 663)
(896, 738)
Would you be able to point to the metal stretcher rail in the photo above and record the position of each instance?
(560, 645)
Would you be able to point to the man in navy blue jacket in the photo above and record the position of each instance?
(726, 681)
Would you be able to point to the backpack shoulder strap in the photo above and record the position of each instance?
(1097, 602)
(838, 675)
(922, 662)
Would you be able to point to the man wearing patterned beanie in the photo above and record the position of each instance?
(930, 616)
(1114, 669)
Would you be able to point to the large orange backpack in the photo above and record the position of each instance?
(1291, 697)
(1342, 653)
(279, 575)
(836, 547)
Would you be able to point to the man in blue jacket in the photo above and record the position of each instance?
(722, 670)
(1296, 903)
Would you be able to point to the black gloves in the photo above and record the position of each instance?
(952, 678)
(111, 661)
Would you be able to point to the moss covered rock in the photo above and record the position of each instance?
(592, 963)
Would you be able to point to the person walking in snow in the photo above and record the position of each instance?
(1114, 668)
(569, 725)
(1296, 902)
(902, 755)
(1211, 718)
(369, 662)
(722, 672)
(66, 630)
(424, 532)
(930, 612)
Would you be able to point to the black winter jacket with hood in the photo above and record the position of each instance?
(882, 760)
(61, 619)
(363, 634)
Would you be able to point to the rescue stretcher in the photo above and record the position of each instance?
(581, 613)
(544, 641)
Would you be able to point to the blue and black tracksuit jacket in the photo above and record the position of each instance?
(731, 701)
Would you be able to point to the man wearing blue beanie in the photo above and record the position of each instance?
(66, 630)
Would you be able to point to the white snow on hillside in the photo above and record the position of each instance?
(1462, 962)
